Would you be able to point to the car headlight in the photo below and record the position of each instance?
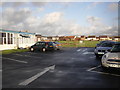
(95, 50)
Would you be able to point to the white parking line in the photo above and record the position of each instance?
(27, 56)
(88, 53)
(78, 50)
(85, 50)
(15, 60)
(105, 73)
(29, 80)
(94, 68)
(90, 70)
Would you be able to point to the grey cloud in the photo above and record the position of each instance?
(39, 4)
(51, 24)
(25, 4)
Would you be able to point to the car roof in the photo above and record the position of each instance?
(117, 43)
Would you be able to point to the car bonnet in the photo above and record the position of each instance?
(114, 55)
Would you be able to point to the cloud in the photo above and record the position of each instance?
(53, 23)
(39, 4)
(93, 5)
(93, 20)
(113, 7)
(25, 4)
(97, 27)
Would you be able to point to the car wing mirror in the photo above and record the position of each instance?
(98, 44)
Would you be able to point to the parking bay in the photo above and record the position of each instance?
(74, 68)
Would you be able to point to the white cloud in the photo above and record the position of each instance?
(113, 6)
(93, 5)
(53, 17)
(53, 23)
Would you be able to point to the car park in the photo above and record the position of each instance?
(103, 48)
(58, 45)
(112, 58)
(43, 46)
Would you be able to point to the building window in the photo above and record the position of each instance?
(10, 38)
(6, 38)
(2, 38)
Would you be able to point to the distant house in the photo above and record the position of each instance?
(49, 38)
(83, 37)
(44, 38)
(110, 38)
(77, 38)
(69, 38)
(55, 38)
(104, 37)
(62, 38)
(97, 38)
(116, 38)
(91, 38)
(38, 37)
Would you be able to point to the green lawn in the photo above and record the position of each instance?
(78, 44)
(13, 51)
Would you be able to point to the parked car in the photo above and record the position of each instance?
(58, 45)
(112, 58)
(103, 48)
(43, 46)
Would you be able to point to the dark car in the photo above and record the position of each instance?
(103, 48)
(58, 45)
(43, 46)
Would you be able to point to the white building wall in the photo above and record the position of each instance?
(18, 42)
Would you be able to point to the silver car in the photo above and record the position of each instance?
(112, 58)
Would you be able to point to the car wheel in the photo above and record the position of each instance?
(104, 68)
(43, 49)
(31, 49)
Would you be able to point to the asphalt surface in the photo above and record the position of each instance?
(73, 68)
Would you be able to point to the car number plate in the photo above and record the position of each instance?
(100, 52)
(115, 65)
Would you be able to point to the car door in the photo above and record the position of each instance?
(37, 46)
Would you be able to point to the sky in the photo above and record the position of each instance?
(61, 18)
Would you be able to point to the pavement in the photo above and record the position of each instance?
(66, 68)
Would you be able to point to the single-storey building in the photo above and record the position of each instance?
(83, 37)
(104, 37)
(91, 38)
(10, 39)
(116, 38)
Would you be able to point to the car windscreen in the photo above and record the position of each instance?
(107, 44)
(116, 48)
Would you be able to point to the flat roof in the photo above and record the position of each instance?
(19, 32)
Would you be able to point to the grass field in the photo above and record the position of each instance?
(13, 51)
(78, 44)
